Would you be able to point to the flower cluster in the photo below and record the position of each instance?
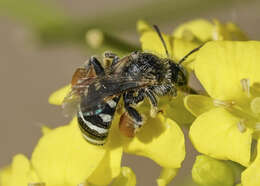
(225, 121)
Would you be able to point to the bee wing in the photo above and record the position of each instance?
(105, 88)
(70, 104)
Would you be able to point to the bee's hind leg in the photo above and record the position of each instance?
(96, 65)
(135, 117)
(91, 69)
(132, 112)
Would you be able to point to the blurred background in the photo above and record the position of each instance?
(43, 41)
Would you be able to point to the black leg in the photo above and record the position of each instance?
(140, 97)
(97, 66)
(133, 113)
(151, 97)
(154, 110)
(130, 98)
(111, 56)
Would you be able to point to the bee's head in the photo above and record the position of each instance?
(178, 74)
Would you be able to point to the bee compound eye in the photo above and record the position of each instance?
(182, 76)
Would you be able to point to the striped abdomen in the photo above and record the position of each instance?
(95, 123)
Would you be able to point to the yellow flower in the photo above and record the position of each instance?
(20, 172)
(228, 119)
(160, 139)
(63, 158)
(202, 30)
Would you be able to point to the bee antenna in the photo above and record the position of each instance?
(187, 55)
(160, 36)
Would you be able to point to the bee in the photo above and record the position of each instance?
(96, 90)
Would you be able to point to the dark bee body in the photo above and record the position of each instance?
(135, 77)
(95, 125)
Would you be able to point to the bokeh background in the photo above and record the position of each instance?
(43, 41)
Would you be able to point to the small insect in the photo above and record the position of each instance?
(96, 90)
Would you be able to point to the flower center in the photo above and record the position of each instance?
(248, 109)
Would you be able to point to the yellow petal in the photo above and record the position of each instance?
(198, 104)
(174, 109)
(167, 174)
(220, 31)
(161, 140)
(126, 178)
(228, 31)
(250, 177)
(216, 134)
(110, 166)
(200, 28)
(5, 176)
(181, 48)
(143, 26)
(151, 42)
(236, 33)
(57, 97)
(220, 65)
(108, 169)
(19, 173)
(62, 156)
(177, 48)
(45, 129)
